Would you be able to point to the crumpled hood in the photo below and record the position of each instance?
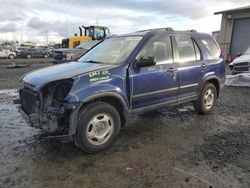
(41, 77)
(243, 58)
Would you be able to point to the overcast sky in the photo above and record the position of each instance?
(34, 19)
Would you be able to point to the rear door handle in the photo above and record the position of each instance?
(172, 69)
(203, 65)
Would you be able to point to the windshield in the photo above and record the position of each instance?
(112, 51)
(247, 52)
(88, 44)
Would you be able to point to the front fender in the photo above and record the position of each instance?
(93, 92)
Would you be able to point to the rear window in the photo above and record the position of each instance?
(214, 51)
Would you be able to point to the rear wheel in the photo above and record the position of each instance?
(97, 127)
(206, 100)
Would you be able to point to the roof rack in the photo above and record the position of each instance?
(164, 28)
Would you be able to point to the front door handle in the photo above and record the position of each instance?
(203, 65)
(172, 69)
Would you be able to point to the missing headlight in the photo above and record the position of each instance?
(61, 89)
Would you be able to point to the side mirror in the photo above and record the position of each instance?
(146, 62)
(239, 54)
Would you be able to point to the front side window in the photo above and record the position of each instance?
(185, 47)
(112, 51)
(160, 48)
(210, 45)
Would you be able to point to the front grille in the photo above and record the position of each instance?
(241, 67)
(29, 100)
(242, 64)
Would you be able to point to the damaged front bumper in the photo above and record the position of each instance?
(32, 119)
(48, 121)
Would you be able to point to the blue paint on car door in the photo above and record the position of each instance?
(154, 84)
(189, 66)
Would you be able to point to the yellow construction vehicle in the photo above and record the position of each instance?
(90, 33)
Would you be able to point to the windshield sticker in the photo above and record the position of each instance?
(99, 75)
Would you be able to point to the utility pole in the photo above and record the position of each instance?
(21, 37)
(46, 37)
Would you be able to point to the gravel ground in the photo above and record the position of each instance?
(9, 77)
(173, 147)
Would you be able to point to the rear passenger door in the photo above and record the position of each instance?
(189, 66)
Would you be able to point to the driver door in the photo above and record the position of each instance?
(156, 85)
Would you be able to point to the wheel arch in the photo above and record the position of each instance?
(216, 83)
(111, 98)
(12, 54)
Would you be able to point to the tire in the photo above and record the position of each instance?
(207, 99)
(11, 56)
(29, 56)
(98, 125)
(45, 56)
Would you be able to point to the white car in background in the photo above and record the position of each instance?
(241, 63)
(6, 53)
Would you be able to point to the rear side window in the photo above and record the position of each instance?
(186, 48)
(197, 51)
(210, 45)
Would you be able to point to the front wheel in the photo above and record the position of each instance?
(97, 127)
(206, 100)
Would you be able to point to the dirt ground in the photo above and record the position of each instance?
(9, 77)
(173, 147)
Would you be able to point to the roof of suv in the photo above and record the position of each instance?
(165, 30)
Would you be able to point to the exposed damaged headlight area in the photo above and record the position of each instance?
(47, 109)
(57, 91)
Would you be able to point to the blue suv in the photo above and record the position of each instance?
(91, 99)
